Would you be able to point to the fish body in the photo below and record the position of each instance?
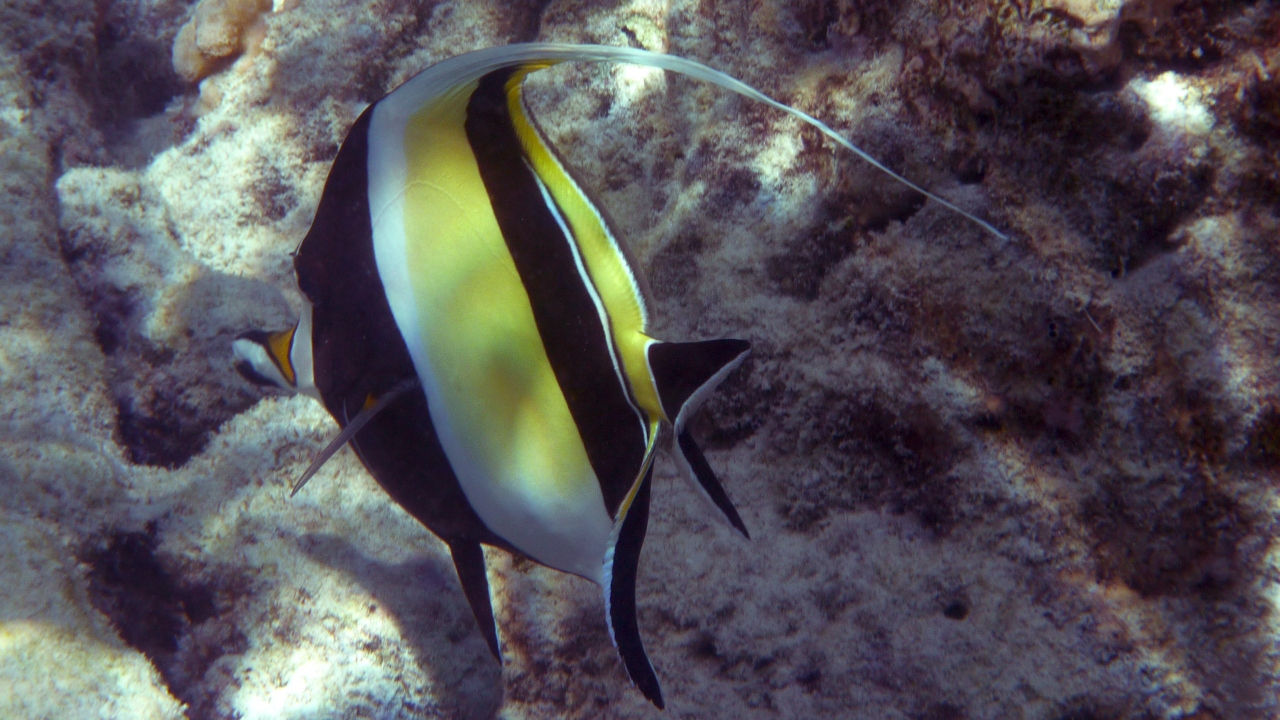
(451, 245)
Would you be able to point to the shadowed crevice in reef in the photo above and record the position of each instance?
(120, 77)
(1179, 537)
(182, 621)
(173, 394)
(1255, 110)
(433, 618)
(1127, 201)
(133, 79)
(799, 271)
(167, 350)
(1194, 38)
(1070, 127)
(1183, 535)
(673, 269)
(134, 92)
(871, 454)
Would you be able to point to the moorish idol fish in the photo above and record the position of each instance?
(480, 333)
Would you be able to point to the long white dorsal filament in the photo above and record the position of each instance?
(702, 72)
(361, 419)
(475, 64)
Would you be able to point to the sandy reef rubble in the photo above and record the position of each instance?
(1033, 478)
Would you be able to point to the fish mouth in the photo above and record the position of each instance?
(245, 368)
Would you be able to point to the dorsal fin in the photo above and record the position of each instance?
(458, 71)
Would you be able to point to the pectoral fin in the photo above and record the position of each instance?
(354, 426)
(468, 559)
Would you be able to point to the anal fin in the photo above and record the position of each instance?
(620, 594)
(691, 460)
(468, 559)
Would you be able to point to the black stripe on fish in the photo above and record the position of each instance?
(358, 352)
(573, 334)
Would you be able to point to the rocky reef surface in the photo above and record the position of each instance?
(1033, 478)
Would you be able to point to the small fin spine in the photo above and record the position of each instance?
(359, 421)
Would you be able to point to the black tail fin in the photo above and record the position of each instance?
(690, 459)
(685, 373)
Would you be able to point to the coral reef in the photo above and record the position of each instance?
(1033, 478)
(217, 33)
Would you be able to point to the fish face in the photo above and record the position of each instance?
(262, 358)
(281, 359)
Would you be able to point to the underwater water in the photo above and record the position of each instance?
(1031, 476)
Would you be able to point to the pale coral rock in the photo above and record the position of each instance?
(1098, 35)
(217, 33)
(1175, 103)
(59, 657)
